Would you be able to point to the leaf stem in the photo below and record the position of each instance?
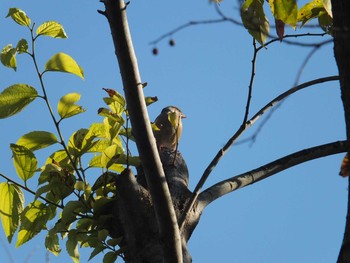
(45, 97)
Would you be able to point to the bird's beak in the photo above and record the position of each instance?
(183, 116)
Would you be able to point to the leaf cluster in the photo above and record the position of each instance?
(62, 180)
(284, 12)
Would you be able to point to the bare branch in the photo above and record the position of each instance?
(263, 172)
(142, 131)
(238, 133)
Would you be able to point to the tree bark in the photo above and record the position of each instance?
(169, 235)
(341, 20)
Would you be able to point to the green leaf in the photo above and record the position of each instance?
(97, 250)
(24, 161)
(52, 243)
(110, 257)
(254, 20)
(37, 140)
(15, 98)
(309, 11)
(33, 220)
(8, 57)
(11, 206)
(51, 29)
(19, 16)
(285, 10)
(64, 63)
(96, 162)
(150, 100)
(66, 107)
(110, 155)
(22, 46)
(72, 246)
(326, 22)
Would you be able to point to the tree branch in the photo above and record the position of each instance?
(234, 183)
(238, 133)
(142, 131)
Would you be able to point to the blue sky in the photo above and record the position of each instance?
(295, 216)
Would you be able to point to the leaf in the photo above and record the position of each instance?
(110, 155)
(327, 4)
(11, 206)
(285, 10)
(36, 140)
(22, 46)
(326, 22)
(150, 100)
(279, 28)
(51, 29)
(24, 161)
(110, 257)
(309, 11)
(64, 63)
(8, 57)
(254, 19)
(97, 163)
(96, 251)
(33, 220)
(345, 167)
(52, 243)
(15, 98)
(66, 107)
(72, 246)
(19, 16)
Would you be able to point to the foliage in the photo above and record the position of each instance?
(61, 180)
(284, 12)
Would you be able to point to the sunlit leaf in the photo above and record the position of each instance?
(64, 63)
(11, 206)
(33, 219)
(254, 20)
(110, 155)
(285, 10)
(52, 29)
(66, 107)
(19, 16)
(96, 162)
(8, 57)
(22, 46)
(37, 140)
(150, 100)
(24, 161)
(328, 6)
(15, 98)
(309, 11)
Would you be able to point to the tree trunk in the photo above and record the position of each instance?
(341, 18)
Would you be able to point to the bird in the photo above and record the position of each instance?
(168, 128)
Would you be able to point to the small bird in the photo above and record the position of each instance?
(168, 128)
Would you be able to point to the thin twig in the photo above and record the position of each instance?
(238, 133)
(31, 191)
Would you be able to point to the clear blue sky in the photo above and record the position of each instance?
(295, 216)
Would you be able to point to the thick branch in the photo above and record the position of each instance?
(341, 33)
(142, 131)
(263, 172)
